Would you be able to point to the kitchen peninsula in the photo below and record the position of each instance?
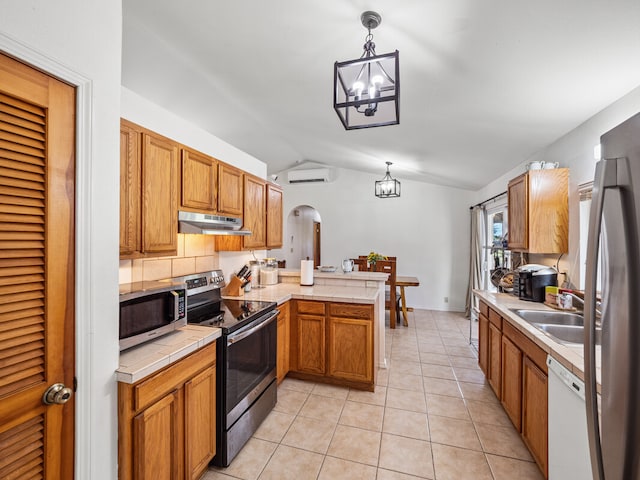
(334, 328)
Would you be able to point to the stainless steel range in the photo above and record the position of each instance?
(246, 359)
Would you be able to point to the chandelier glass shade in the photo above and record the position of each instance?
(367, 89)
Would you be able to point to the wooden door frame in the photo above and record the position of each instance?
(83, 268)
(317, 244)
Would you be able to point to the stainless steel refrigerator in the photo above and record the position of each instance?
(614, 233)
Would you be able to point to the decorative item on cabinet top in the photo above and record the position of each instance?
(203, 223)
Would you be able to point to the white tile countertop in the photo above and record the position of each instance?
(571, 355)
(283, 292)
(138, 362)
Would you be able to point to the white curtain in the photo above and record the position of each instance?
(478, 229)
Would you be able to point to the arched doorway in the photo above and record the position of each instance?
(303, 237)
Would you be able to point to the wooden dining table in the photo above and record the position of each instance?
(405, 281)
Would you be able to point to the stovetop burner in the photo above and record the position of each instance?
(205, 305)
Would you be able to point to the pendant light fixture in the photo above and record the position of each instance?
(366, 91)
(388, 186)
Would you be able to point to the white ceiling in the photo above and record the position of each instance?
(484, 84)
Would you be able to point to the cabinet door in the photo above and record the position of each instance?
(157, 440)
(199, 182)
(351, 349)
(230, 190)
(282, 362)
(274, 217)
(254, 212)
(159, 195)
(495, 358)
(518, 195)
(483, 344)
(310, 352)
(549, 211)
(535, 413)
(129, 190)
(200, 422)
(512, 381)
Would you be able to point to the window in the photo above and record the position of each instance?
(497, 260)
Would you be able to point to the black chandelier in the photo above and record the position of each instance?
(388, 186)
(366, 91)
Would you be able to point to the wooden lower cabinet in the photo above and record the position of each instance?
(157, 435)
(282, 357)
(495, 359)
(200, 422)
(166, 421)
(522, 383)
(333, 343)
(350, 342)
(483, 344)
(535, 412)
(310, 337)
(511, 397)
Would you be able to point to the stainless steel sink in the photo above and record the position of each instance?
(550, 318)
(564, 327)
(567, 333)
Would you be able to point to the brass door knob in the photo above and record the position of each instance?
(57, 394)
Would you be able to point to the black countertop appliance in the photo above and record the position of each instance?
(532, 280)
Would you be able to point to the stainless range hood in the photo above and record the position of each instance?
(203, 223)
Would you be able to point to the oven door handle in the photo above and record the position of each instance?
(231, 339)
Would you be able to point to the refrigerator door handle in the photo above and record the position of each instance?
(605, 177)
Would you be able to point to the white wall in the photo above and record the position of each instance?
(575, 151)
(427, 228)
(139, 110)
(84, 37)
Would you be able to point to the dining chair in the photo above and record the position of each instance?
(361, 263)
(391, 296)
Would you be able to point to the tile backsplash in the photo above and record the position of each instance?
(196, 253)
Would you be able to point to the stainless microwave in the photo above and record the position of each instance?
(149, 310)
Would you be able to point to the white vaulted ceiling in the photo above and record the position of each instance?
(484, 83)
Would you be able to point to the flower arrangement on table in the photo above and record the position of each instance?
(373, 257)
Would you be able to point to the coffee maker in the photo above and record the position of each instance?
(532, 280)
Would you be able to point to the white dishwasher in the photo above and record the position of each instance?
(568, 440)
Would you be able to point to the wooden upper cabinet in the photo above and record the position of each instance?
(199, 182)
(255, 212)
(539, 211)
(274, 216)
(230, 190)
(159, 195)
(129, 189)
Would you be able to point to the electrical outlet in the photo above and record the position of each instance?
(446, 299)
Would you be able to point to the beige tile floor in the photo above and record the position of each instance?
(432, 416)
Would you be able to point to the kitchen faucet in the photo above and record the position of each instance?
(581, 301)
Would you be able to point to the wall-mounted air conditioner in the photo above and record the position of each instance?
(310, 175)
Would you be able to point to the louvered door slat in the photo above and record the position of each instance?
(22, 109)
(26, 132)
(26, 161)
(18, 192)
(37, 252)
(21, 201)
(8, 117)
(28, 465)
(22, 448)
(27, 269)
(22, 305)
(28, 356)
(9, 289)
(8, 353)
(18, 323)
(22, 149)
(21, 236)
